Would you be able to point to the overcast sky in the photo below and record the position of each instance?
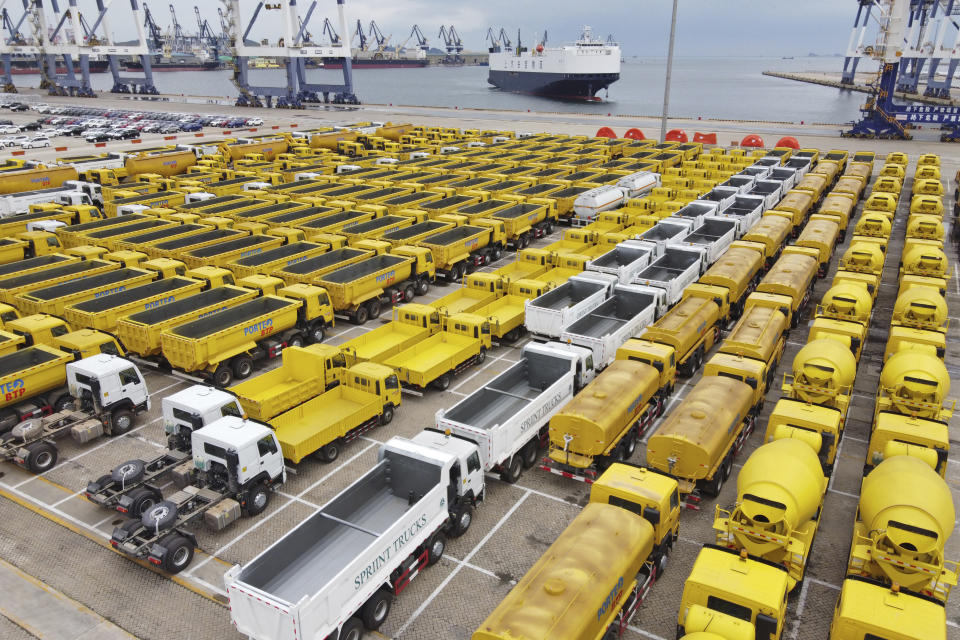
(705, 27)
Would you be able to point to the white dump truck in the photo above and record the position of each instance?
(337, 572)
(548, 314)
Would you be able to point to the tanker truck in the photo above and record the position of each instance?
(816, 398)
(904, 521)
(780, 490)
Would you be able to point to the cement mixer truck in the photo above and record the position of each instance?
(780, 491)
(904, 520)
(922, 308)
(816, 398)
(924, 264)
(914, 384)
(844, 315)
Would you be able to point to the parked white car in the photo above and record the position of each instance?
(35, 143)
(14, 141)
(9, 129)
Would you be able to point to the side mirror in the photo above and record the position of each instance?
(651, 515)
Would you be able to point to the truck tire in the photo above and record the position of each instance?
(387, 416)
(435, 549)
(352, 630)
(423, 286)
(160, 516)
(497, 254)
(511, 472)
(42, 457)
(482, 355)
(715, 486)
(547, 228)
(630, 445)
(409, 293)
(128, 472)
(360, 316)
(222, 376)
(461, 520)
(296, 340)
(375, 610)
(99, 483)
(529, 453)
(443, 382)
(374, 308)
(63, 403)
(256, 500)
(121, 422)
(513, 335)
(330, 452)
(242, 367)
(141, 501)
(317, 332)
(179, 554)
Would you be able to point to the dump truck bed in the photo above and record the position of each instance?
(245, 312)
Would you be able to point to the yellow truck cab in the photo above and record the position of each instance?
(10, 342)
(647, 493)
(88, 342)
(682, 337)
(38, 328)
(8, 313)
(86, 252)
(661, 357)
(728, 594)
(866, 609)
(40, 243)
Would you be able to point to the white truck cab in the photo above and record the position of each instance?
(128, 209)
(586, 367)
(247, 451)
(49, 226)
(306, 175)
(347, 168)
(109, 384)
(193, 408)
(198, 196)
(466, 471)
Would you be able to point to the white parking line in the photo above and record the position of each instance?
(474, 567)
(822, 583)
(169, 386)
(645, 634)
(265, 519)
(456, 570)
(801, 603)
(477, 372)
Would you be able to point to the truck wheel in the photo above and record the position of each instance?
(330, 452)
(630, 446)
(497, 254)
(242, 367)
(716, 485)
(435, 549)
(443, 382)
(128, 472)
(461, 521)
(361, 315)
(42, 457)
(63, 403)
(662, 562)
(387, 416)
(351, 630)
(318, 332)
(529, 454)
(256, 500)
(512, 471)
(141, 501)
(160, 516)
(296, 340)
(547, 228)
(99, 483)
(423, 286)
(409, 293)
(376, 609)
(223, 376)
(481, 356)
(122, 422)
(374, 309)
(179, 554)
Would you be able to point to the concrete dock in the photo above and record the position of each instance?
(51, 535)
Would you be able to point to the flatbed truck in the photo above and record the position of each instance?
(463, 341)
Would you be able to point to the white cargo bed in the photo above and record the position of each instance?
(661, 235)
(672, 272)
(548, 314)
(622, 316)
(624, 261)
(712, 238)
(747, 211)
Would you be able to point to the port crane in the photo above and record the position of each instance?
(422, 43)
(179, 42)
(358, 33)
(373, 31)
(453, 44)
(11, 37)
(499, 41)
(205, 34)
(882, 116)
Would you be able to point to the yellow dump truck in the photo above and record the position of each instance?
(436, 360)
(36, 374)
(267, 261)
(221, 253)
(697, 441)
(461, 249)
(731, 596)
(104, 313)
(903, 523)
(306, 372)
(225, 344)
(367, 397)
(605, 421)
(411, 324)
(15, 285)
(141, 332)
(776, 515)
(40, 263)
(55, 298)
(588, 584)
(681, 338)
(182, 245)
(361, 290)
(752, 350)
(75, 235)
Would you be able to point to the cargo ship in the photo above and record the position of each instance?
(159, 63)
(575, 71)
(28, 66)
(377, 63)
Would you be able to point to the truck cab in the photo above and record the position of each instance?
(39, 243)
(647, 493)
(242, 451)
(660, 356)
(462, 467)
(316, 314)
(108, 383)
(194, 408)
(732, 595)
(88, 342)
(868, 610)
(213, 276)
(39, 328)
(423, 261)
(8, 313)
(86, 252)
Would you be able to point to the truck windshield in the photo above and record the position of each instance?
(231, 409)
(392, 383)
(730, 608)
(109, 348)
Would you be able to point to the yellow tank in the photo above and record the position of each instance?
(579, 585)
(684, 325)
(164, 164)
(771, 231)
(873, 224)
(926, 204)
(821, 235)
(757, 334)
(881, 202)
(905, 519)
(599, 416)
(822, 370)
(791, 276)
(779, 493)
(914, 383)
(840, 205)
(925, 260)
(734, 270)
(863, 257)
(921, 307)
(928, 187)
(34, 179)
(695, 437)
(846, 301)
(925, 227)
